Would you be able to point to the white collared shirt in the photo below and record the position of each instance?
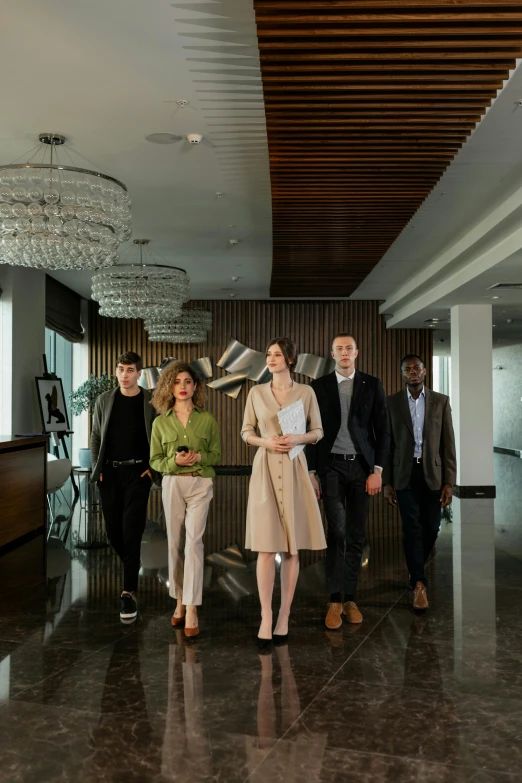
(341, 378)
(417, 411)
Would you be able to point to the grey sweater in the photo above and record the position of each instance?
(344, 443)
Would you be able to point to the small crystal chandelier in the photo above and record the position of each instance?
(57, 216)
(192, 327)
(141, 290)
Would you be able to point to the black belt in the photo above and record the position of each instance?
(124, 463)
(417, 460)
(344, 457)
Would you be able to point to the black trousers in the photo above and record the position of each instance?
(346, 504)
(421, 514)
(124, 497)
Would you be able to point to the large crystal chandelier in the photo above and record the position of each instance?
(58, 216)
(192, 327)
(141, 290)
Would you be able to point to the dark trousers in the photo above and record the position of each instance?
(124, 497)
(346, 504)
(421, 514)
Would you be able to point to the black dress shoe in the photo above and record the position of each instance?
(280, 638)
(263, 644)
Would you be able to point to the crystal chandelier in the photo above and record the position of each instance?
(192, 327)
(141, 290)
(57, 216)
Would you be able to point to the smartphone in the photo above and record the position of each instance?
(183, 448)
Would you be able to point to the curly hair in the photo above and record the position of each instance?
(162, 398)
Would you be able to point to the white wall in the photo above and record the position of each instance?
(22, 342)
(80, 363)
(507, 396)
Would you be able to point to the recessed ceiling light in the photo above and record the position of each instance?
(492, 297)
(163, 138)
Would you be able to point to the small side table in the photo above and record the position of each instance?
(90, 519)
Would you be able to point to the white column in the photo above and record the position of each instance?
(472, 394)
(22, 343)
(473, 513)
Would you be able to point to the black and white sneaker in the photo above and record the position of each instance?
(128, 607)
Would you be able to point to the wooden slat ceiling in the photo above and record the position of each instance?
(367, 102)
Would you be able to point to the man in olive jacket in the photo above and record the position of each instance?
(421, 470)
(120, 450)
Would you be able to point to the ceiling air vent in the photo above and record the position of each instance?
(504, 285)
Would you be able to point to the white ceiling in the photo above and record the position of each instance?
(106, 73)
(491, 157)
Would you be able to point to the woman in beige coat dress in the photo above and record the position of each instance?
(282, 514)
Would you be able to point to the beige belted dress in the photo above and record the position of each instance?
(282, 513)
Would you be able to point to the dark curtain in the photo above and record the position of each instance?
(63, 310)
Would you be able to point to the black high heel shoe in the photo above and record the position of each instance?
(280, 638)
(263, 644)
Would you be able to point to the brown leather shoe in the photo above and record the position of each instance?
(192, 631)
(177, 621)
(352, 613)
(334, 616)
(420, 597)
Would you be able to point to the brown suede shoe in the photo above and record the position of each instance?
(176, 621)
(334, 616)
(420, 597)
(352, 613)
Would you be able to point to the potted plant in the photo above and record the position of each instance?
(84, 398)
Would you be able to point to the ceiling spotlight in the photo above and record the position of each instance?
(235, 279)
(233, 242)
(219, 194)
(182, 104)
(232, 295)
(163, 138)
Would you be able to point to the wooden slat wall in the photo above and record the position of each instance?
(312, 325)
(367, 102)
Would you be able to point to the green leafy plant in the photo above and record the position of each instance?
(86, 395)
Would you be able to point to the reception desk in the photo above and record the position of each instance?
(23, 510)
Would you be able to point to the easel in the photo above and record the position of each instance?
(59, 437)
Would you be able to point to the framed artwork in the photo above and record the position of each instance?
(52, 405)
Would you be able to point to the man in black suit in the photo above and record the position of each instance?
(421, 469)
(348, 462)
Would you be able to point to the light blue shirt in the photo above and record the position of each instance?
(417, 408)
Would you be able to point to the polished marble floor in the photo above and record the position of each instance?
(404, 697)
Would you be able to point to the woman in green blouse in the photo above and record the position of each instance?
(184, 446)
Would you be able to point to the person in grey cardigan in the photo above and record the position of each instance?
(120, 449)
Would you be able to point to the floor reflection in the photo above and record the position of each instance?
(404, 697)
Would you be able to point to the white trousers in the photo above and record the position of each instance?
(185, 501)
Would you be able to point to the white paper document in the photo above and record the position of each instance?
(293, 422)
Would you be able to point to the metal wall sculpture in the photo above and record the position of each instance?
(150, 375)
(244, 363)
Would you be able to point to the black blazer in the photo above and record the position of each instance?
(368, 420)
